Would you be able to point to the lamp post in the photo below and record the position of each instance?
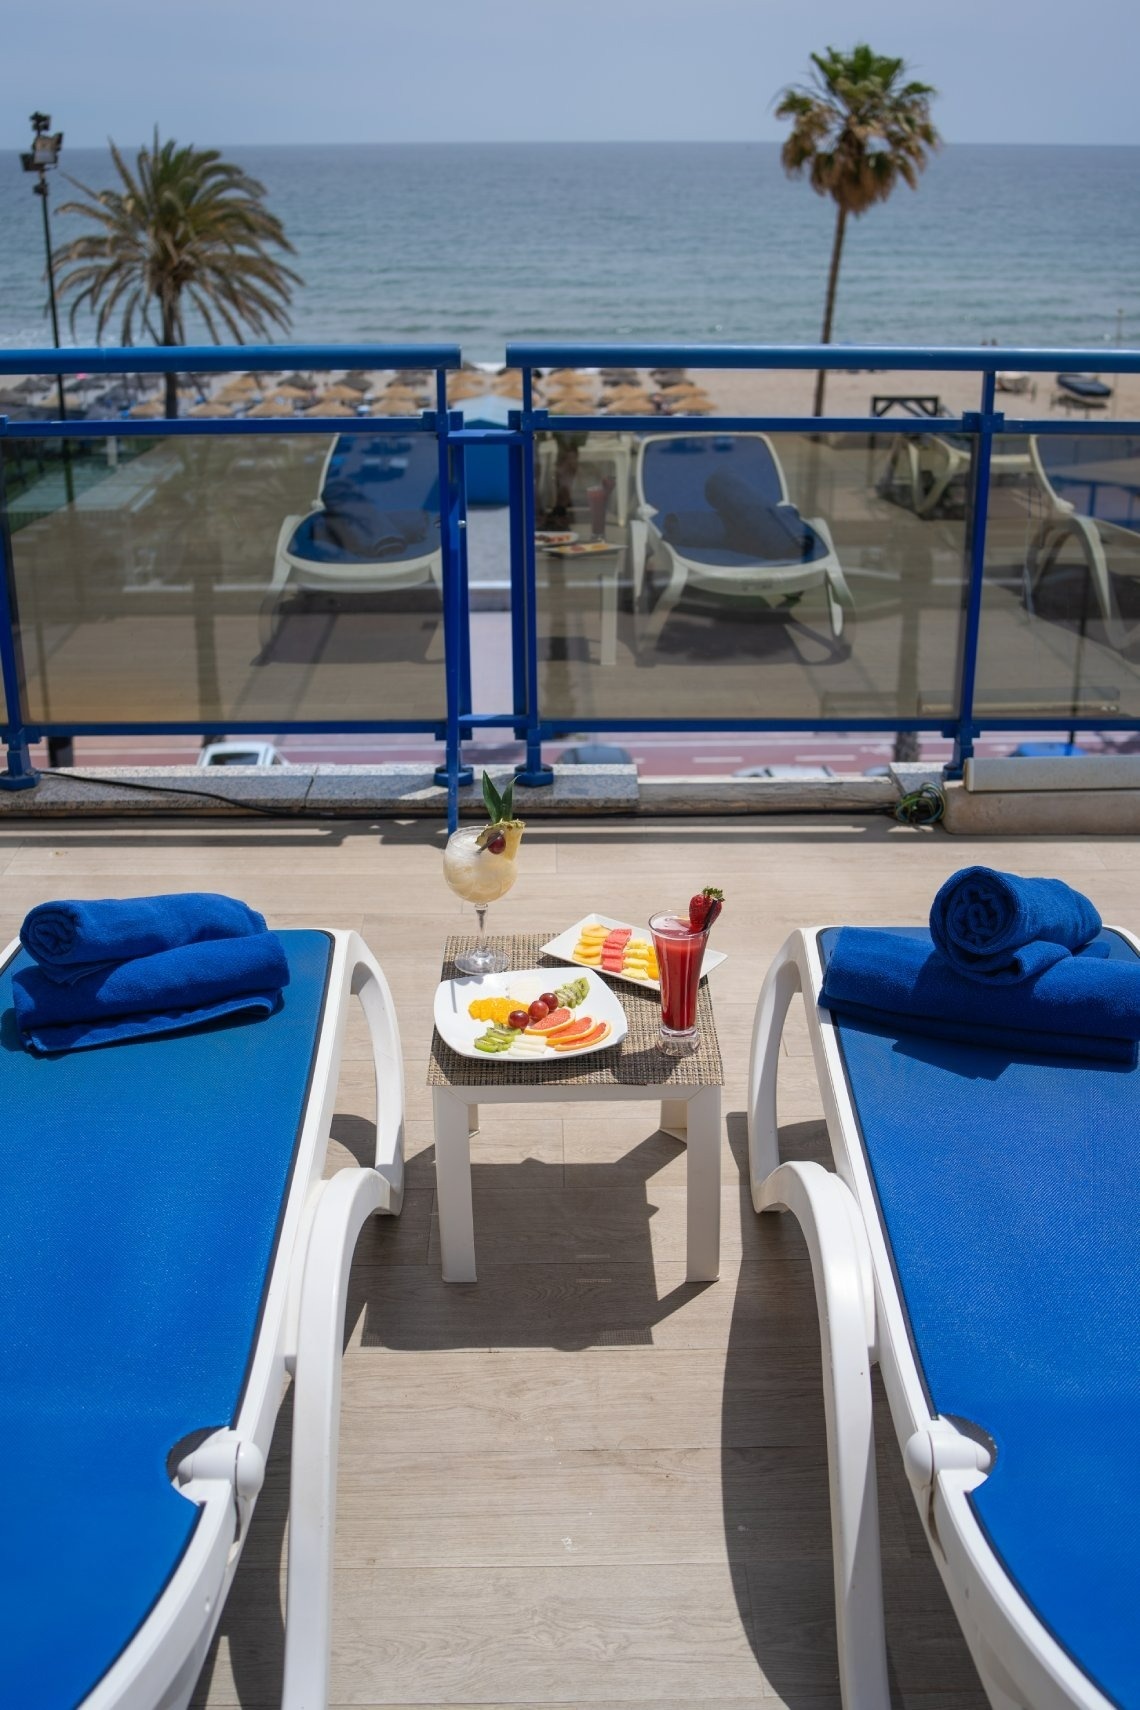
(42, 158)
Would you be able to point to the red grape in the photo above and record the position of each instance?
(518, 1019)
(497, 843)
(550, 999)
(538, 1010)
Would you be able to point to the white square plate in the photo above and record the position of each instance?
(563, 948)
(460, 1031)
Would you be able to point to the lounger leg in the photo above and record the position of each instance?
(346, 1203)
(825, 1210)
(782, 982)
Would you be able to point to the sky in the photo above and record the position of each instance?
(266, 71)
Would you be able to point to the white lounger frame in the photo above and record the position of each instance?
(768, 580)
(301, 1333)
(1063, 522)
(933, 455)
(862, 1322)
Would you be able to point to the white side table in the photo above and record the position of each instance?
(687, 1088)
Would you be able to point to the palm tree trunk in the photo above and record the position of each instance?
(829, 306)
(170, 336)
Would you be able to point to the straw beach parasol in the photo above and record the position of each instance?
(332, 408)
(273, 407)
(461, 386)
(343, 394)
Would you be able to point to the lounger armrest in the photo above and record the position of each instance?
(828, 1214)
(345, 1204)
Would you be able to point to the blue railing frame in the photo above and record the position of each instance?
(17, 730)
(983, 425)
(524, 717)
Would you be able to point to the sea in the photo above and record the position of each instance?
(661, 242)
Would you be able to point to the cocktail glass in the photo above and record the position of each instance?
(479, 877)
(680, 954)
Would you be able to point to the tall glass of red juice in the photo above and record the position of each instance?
(680, 953)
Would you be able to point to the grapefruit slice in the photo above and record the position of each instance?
(556, 1019)
(572, 1029)
(598, 1031)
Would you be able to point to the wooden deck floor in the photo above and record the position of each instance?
(581, 1482)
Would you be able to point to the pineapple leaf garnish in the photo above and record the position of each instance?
(499, 807)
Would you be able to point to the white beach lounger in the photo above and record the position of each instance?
(979, 1240)
(671, 475)
(171, 1255)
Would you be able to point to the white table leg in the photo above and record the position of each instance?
(609, 581)
(703, 1164)
(675, 1117)
(453, 1186)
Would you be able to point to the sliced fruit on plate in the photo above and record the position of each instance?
(597, 1032)
(556, 1019)
(571, 1029)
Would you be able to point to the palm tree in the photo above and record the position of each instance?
(185, 227)
(857, 128)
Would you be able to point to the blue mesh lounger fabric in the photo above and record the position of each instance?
(142, 1187)
(1010, 1192)
(673, 477)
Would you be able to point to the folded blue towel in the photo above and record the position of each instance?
(353, 524)
(1083, 1006)
(752, 524)
(1001, 928)
(165, 993)
(71, 940)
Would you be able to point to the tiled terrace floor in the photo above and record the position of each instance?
(580, 1482)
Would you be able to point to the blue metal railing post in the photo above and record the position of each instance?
(456, 626)
(984, 426)
(532, 771)
(20, 774)
(516, 481)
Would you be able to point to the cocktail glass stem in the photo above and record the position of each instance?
(482, 960)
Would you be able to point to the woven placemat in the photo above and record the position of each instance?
(636, 1062)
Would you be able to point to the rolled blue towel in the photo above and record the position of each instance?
(1000, 928)
(71, 940)
(1082, 1006)
(166, 993)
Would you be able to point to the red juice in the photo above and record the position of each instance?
(680, 953)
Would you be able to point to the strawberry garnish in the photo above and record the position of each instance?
(704, 908)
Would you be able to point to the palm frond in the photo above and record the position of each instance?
(183, 224)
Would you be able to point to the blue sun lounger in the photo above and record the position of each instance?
(170, 1253)
(675, 518)
(980, 1241)
(375, 523)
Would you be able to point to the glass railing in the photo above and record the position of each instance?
(684, 546)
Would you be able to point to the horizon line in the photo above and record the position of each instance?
(602, 142)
